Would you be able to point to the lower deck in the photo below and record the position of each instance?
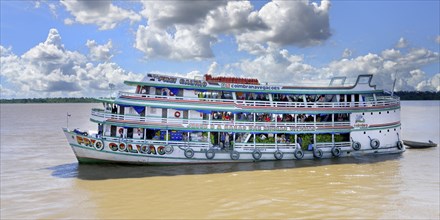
(91, 148)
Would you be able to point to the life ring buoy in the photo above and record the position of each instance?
(161, 150)
(144, 149)
(151, 150)
(299, 154)
(177, 114)
(356, 145)
(235, 155)
(374, 143)
(210, 154)
(278, 154)
(131, 149)
(113, 146)
(121, 130)
(169, 149)
(317, 153)
(336, 151)
(256, 154)
(399, 145)
(189, 153)
(122, 147)
(99, 145)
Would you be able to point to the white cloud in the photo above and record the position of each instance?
(432, 84)
(168, 13)
(100, 52)
(278, 66)
(402, 43)
(185, 43)
(186, 31)
(437, 39)
(290, 23)
(212, 68)
(48, 70)
(275, 66)
(234, 17)
(102, 13)
(347, 53)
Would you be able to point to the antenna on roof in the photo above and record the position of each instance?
(394, 85)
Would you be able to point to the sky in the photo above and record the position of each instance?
(73, 48)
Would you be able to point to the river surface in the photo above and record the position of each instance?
(40, 178)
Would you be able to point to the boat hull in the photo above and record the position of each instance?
(88, 150)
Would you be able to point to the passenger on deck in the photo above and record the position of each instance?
(299, 141)
(310, 147)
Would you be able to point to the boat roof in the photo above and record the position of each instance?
(337, 85)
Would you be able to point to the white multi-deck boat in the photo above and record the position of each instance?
(173, 120)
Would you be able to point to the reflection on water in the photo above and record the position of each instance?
(122, 171)
(40, 178)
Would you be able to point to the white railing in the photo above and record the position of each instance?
(330, 144)
(381, 101)
(101, 115)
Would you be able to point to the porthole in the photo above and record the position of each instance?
(394, 129)
(388, 112)
(365, 132)
(380, 113)
(363, 113)
(380, 131)
(388, 130)
(371, 113)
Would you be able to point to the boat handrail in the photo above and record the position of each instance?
(380, 101)
(335, 144)
(100, 115)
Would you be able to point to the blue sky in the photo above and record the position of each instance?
(76, 48)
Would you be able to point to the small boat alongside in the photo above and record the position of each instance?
(416, 144)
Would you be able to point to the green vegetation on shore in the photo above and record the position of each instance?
(416, 95)
(51, 100)
(404, 95)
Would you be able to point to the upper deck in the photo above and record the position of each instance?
(336, 85)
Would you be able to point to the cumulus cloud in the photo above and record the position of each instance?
(276, 65)
(102, 13)
(48, 69)
(347, 53)
(299, 23)
(402, 43)
(100, 52)
(234, 17)
(167, 13)
(185, 43)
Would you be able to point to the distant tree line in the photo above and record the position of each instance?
(404, 95)
(418, 95)
(51, 100)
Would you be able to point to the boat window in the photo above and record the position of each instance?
(342, 137)
(342, 117)
(113, 131)
(226, 95)
(218, 115)
(129, 132)
(144, 90)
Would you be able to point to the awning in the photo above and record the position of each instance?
(138, 109)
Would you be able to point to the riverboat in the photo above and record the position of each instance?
(174, 120)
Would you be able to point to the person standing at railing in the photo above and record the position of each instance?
(299, 141)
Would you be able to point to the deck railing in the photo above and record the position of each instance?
(381, 101)
(101, 115)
